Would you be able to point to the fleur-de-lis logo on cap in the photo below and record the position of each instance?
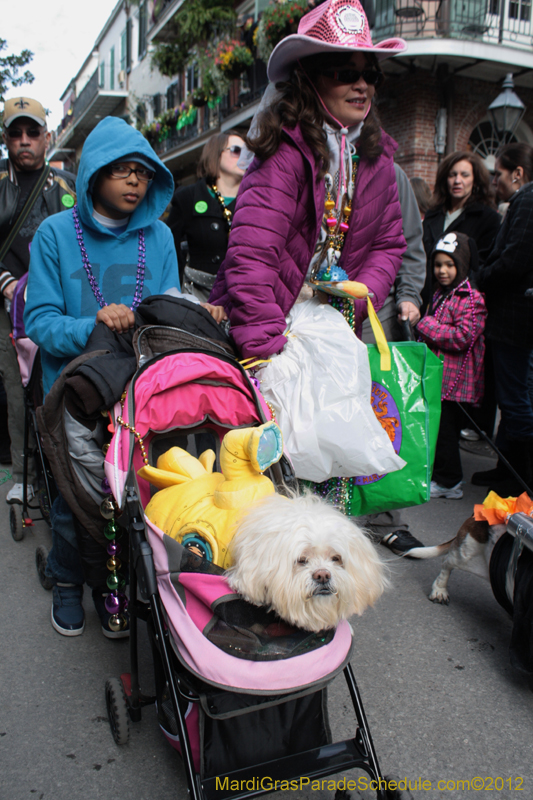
(22, 103)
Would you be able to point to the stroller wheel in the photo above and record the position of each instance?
(117, 710)
(15, 522)
(41, 557)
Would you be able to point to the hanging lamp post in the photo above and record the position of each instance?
(507, 110)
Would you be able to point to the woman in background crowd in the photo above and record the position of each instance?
(505, 279)
(201, 213)
(462, 201)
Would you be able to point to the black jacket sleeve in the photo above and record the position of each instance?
(178, 221)
(510, 264)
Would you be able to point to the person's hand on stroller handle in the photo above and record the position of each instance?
(118, 318)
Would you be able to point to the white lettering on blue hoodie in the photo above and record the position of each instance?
(60, 307)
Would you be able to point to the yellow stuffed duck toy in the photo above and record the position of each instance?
(200, 508)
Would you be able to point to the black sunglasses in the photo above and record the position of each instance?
(16, 133)
(373, 77)
(235, 149)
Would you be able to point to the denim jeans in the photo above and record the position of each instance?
(64, 560)
(511, 372)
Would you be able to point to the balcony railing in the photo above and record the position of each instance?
(492, 21)
(86, 96)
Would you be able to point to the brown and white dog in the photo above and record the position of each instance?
(470, 551)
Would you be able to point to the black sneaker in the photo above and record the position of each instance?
(400, 542)
(68, 617)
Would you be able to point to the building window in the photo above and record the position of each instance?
(143, 26)
(170, 96)
(112, 69)
(520, 9)
(123, 50)
(157, 105)
(192, 78)
(484, 140)
(129, 25)
(174, 93)
(101, 82)
(140, 113)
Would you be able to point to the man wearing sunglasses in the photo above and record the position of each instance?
(30, 191)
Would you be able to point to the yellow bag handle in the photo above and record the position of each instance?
(255, 362)
(359, 291)
(379, 334)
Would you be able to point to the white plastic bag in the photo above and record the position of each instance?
(319, 387)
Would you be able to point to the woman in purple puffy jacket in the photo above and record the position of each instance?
(321, 192)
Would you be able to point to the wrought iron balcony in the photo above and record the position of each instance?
(505, 22)
(211, 119)
(93, 104)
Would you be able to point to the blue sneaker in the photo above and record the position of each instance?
(68, 617)
(99, 604)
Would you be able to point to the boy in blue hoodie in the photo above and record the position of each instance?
(95, 263)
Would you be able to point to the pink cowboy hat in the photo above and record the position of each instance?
(334, 26)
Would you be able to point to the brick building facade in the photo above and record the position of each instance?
(408, 107)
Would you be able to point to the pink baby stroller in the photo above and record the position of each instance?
(23, 516)
(241, 695)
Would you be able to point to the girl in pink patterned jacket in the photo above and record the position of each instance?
(453, 329)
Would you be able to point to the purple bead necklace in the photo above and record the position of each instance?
(141, 265)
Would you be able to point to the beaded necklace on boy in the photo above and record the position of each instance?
(227, 213)
(141, 265)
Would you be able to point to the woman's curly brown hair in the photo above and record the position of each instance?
(299, 103)
(481, 191)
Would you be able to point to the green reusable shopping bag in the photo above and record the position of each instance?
(406, 400)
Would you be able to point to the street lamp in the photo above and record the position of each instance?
(507, 110)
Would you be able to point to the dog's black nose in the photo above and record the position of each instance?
(321, 576)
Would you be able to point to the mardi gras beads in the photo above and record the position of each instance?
(141, 265)
(226, 212)
(336, 226)
(116, 602)
(337, 490)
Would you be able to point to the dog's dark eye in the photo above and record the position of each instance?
(302, 560)
(336, 559)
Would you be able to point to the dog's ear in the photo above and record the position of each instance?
(246, 583)
(366, 570)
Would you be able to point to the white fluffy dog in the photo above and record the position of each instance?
(306, 561)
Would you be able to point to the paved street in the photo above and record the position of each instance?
(442, 700)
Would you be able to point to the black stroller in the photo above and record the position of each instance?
(24, 516)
